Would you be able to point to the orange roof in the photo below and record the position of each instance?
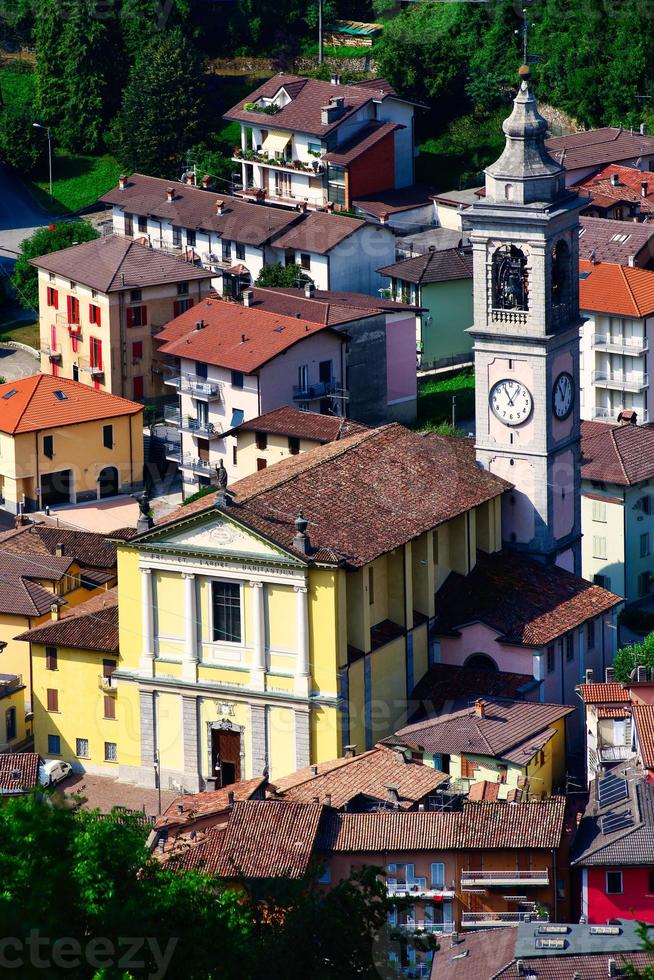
(620, 289)
(43, 402)
(604, 693)
(629, 186)
(233, 336)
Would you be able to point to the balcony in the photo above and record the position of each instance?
(510, 316)
(192, 384)
(313, 169)
(320, 389)
(615, 753)
(9, 683)
(498, 879)
(199, 427)
(611, 414)
(51, 353)
(92, 369)
(621, 380)
(620, 345)
(429, 927)
(107, 684)
(489, 920)
(414, 889)
(172, 415)
(187, 461)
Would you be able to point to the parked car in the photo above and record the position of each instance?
(53, 771)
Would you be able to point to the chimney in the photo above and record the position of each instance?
(335, 107)
(643, 129)
(230, 797)
(54, 611)
(314, 770)
(206, 181)
(631, 260)
(643, 188)
(179, 807)
(609, 675)
(615, 180)
(161, 843)
(301, 538)
(399, 756)
(588, 676)
(170, 194)
(641, 675)
(454, 939)
(328, 799)
(627, 416)
(122, 180)
(302, 206)
(59, 549)
(480, 708)
(520, 967)
(335, 80)
(350, 751)
(613, 968)
(248, 296)
(392, 793)
(220, 207)
(383, 218)
(309, 290)
(199, 324)
(243, 338)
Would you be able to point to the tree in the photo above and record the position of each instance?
(20, 146)
(162, 106)
(44, 241)
(632, 656)
(50, 98)
(647, 973)
(282, 275)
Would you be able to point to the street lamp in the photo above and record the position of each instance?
(47, 129)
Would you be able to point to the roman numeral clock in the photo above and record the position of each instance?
(524, 234)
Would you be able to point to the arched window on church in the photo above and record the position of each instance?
(508, 192)
(510, 279)
(560, 277)
(480, 661)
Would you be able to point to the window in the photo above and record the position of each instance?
(10, 723)
(177, 235)
(510, 287)
(644, 580)
(314, 148)
(238, 416)
(142, 223)
(599, 547)
(305, 260)
(590, 634)
(325, 877)
(570, 646)
(82, 748)
(108, 436)
(190, 238)
(109, 707)
(651, 882)
(95, 353)
(551, 660)
(303, 377)
(240, 251)
(238, 379)
(48, 446)
(135, 296)
(226, 600)
(94, 314)
(137, 316)
(182, 305)
(644, 545)
(51, 658)
(261, 464)
(371, 585)
(52, 297)
(110, 752)
(137, 350)
(614, 883)
(262, 440)
(226, 250)
(438, 875)
(293, 445)
(234, 454)
(54, 745)
(603, 580)
(599, 511)
(52, 696)
(108, 668)
(72, 304)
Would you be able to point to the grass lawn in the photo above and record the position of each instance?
(21, 332)
(78, 180)
(435, 399)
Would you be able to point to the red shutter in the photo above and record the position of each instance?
(130, 317)
(144, 315)
(92, 353)
(137, 349)
(177, 308)
(98, 354)
(55, 299)
(69, 306)
(109, 707)
(98, 316)
(53, 336)
(91, 317)
(53, 699)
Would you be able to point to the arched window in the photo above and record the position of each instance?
(561, 275)
(510, 283)
(508, 192)
(480, 661)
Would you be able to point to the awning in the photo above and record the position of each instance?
(275, 142)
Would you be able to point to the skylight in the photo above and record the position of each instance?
(9, 394)
(61, 396)
(619, 238)
(584, 275)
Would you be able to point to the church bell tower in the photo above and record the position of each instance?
(525, 238)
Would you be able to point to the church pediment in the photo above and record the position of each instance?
(218, 535)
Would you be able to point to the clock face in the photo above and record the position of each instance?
(563, 395)
(511, 402)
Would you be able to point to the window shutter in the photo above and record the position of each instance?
(438, 875)
(99, 353)
(53, 699)
(91, 313)
(69, 307)
(92, 353)
(144, 315)
(130, 317)
(109, 706)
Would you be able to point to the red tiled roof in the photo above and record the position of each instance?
(20, 592)
(289, 421)
(524, 601)
(200, 805)
(93, 625)
(604, 693)
(320, 232)
(445, 265)
(595, 147)
(613, 712)
(85, 547)
(587, 966)
(629, 188)
(643, 715)
(221, 342)
(622, 454)
(19, 771)
(35, 406)
(325, 306)
(619, 289)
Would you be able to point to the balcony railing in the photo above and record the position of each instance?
(107, 684)
(621, 345)
(622, 380)
(614, 753)
(477, 920)
(599, 412)
(509, 316)
(92, 369)
(187, 461)
(412, 890)
(192, 384)
(52, 353)
(500, 878)
(198, 427)
(172, 415)
(289, 166)
(309, 392)
(418, 926)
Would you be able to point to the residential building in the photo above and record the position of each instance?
(234, 238)
(619, 722)
(19, 773)
(380, 355)
(234, 363)
(450, 207)
(77, 714)
(100, 305)
(613, 848)
(587, 152)
(270, 438)
(63, 442)
(15, 729)
(518, 746)
(321, 143)
(617, 484)
(440, 283)
(409, 209)
(438, 239)
(603, 240)
(618, 304)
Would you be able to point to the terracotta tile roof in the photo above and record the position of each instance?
(505, 726)
(477, 955)
(619, 289)
(524, 601)
(622, 454)
(412, 483)
(363, 141)
(598, 239)
(643, 715)
(628, 839)
(364, 775)
(589, 966)
(448, 682)
(19, 771)
(394, 201)
(308, 96)
(596, 147)
(478, 826)
(200, 805)
(612, 712)
(287, 421)
(20, 593)
(629, 188)
(263, 839)
(445, 265)
(326, 306)
(93, 625)
(35, 405)
(603, 693)
(85, 547)
(113, 263)
(321, 231)
(220, 342)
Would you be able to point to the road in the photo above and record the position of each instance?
(20, 215)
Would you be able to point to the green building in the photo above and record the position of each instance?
(440, 283)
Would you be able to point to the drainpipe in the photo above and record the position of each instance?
(555, 888)
(38, 472)
(122, 353)
(131, 457)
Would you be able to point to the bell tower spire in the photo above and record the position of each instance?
(525, 237)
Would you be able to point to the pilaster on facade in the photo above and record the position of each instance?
(190, 656)
(302, 668)
(147, 618)
(302, 739)
(258, 671)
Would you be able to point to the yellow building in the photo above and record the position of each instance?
(254, 638)
(74, 654)
(62, 442)
(100, 305)
(14, 727)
